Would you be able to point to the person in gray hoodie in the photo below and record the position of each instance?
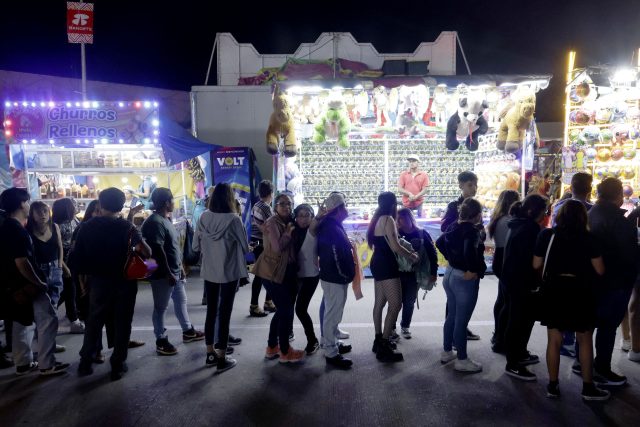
(222, 239)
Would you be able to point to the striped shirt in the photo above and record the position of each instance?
(260, 213)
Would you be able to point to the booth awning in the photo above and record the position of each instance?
(179, 145)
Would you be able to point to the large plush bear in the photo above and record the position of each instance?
(467, 123)
(281, 126)
(334, 124)
(517, 120)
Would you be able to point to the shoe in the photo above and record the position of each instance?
(25, 369)
(224, 364)
(117, 373)
(99, 358)
(553, 390)
(447, 356)
(339, 361)
(5, 361)
(234, 340)
(471, 336)
(165, 348)
(568, 350)
(292, 356)
(272, 353)
(376, 343)
(57, 369)
(211, 360)
(135, 344)
(311, 348)
(467, 365)
(192, 335)
(343, 335)
(394, 337)
(84, 368)
(625, 345)
(269, 306)
(576, 368)
(520, 372)
(292, 337)
(406, 333)
(386, 354)
(60, 349)
(529, 359)
(344, 348)
(498, 348)
(255, 311)
(591, 392)
(77, 327)
(633, 356)
(608, 378)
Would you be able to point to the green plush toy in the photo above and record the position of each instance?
(334, 124)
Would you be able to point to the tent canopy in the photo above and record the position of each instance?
(178, 144)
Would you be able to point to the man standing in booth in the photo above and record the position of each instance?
(413, 184)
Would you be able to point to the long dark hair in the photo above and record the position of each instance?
(469, 209)
(387, 205)
(64, 210)
(505, 200)
(407, 215)
(37, 206)
(222, 200)
(572, 218)
(92, 207)
(531, 207)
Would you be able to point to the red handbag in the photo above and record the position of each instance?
(137, 268)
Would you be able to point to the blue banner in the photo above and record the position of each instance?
(233, 166)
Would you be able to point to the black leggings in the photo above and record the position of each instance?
(500, 315)
(520, 322)
(306, 288)
(224, 293)
(257, 282)
(68, 297)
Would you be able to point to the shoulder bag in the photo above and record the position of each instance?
(137, 268)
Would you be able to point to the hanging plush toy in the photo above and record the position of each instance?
(439, 106)
(381, 101)
(467, 123)
(334, 124)
(517, 120)
(281, 125)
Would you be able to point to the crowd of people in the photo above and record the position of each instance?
(571, 266)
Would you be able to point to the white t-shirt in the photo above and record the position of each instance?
(308, 257)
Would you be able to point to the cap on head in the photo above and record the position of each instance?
(334, 200)
(413, 157)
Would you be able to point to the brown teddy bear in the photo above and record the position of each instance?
(517, 120)
(281, 125)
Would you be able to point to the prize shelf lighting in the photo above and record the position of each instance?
(155, 123)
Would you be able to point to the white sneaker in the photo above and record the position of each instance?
(406, 333)
(77, 327)
(625, 345)
(467, 365)
(634, 356)
(343, 335)
(447, 356)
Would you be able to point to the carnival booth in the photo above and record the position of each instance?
(76, 149)
(602, 126)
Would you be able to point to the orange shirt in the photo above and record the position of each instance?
(414, 185)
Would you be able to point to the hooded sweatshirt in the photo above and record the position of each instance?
(462, 247)
(517, 267)
(222, 239)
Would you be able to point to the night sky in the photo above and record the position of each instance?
(167, 44)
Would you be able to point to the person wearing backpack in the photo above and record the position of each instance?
(422, 243)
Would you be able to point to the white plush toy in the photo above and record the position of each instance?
(381, 101)
(439, 106)
(293, 178)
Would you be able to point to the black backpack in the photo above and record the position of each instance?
(189, 256)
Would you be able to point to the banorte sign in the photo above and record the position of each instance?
(80, 22)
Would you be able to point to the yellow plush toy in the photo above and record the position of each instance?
(517, 120)
(281, 125)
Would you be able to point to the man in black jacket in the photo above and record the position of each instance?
(337, 270)
(617, 237)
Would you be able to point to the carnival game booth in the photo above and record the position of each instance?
(75, 149)
(602, 126)
(354, 136)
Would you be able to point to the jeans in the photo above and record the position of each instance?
(53, 273)
(462, 296)
(611, 308)
(257, 281)
(500, 316)
(409, 285)
(46, 324)
(335, 297)
(306, 289)
(163, 291)
(219, 316)
(284, 296)
(115, 298)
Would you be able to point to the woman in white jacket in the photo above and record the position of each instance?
(222, 239)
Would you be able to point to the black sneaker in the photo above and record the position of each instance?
(498, 348)
(576, 368)
(394, 337)
(211, 360)
(292, 337)
(192, 335)
(5, 361)
(165, 348)
(520, 372)
(553, 390)
(25, 369)
(609, 378)
(339, 361)
(344, 348)
(57, 369)
(529, 359)
(118, 371)
(471, 336)
(224, 364)
(591, 392)
(85, 368)
(228, 351)
(234, 340)
(312, 347)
